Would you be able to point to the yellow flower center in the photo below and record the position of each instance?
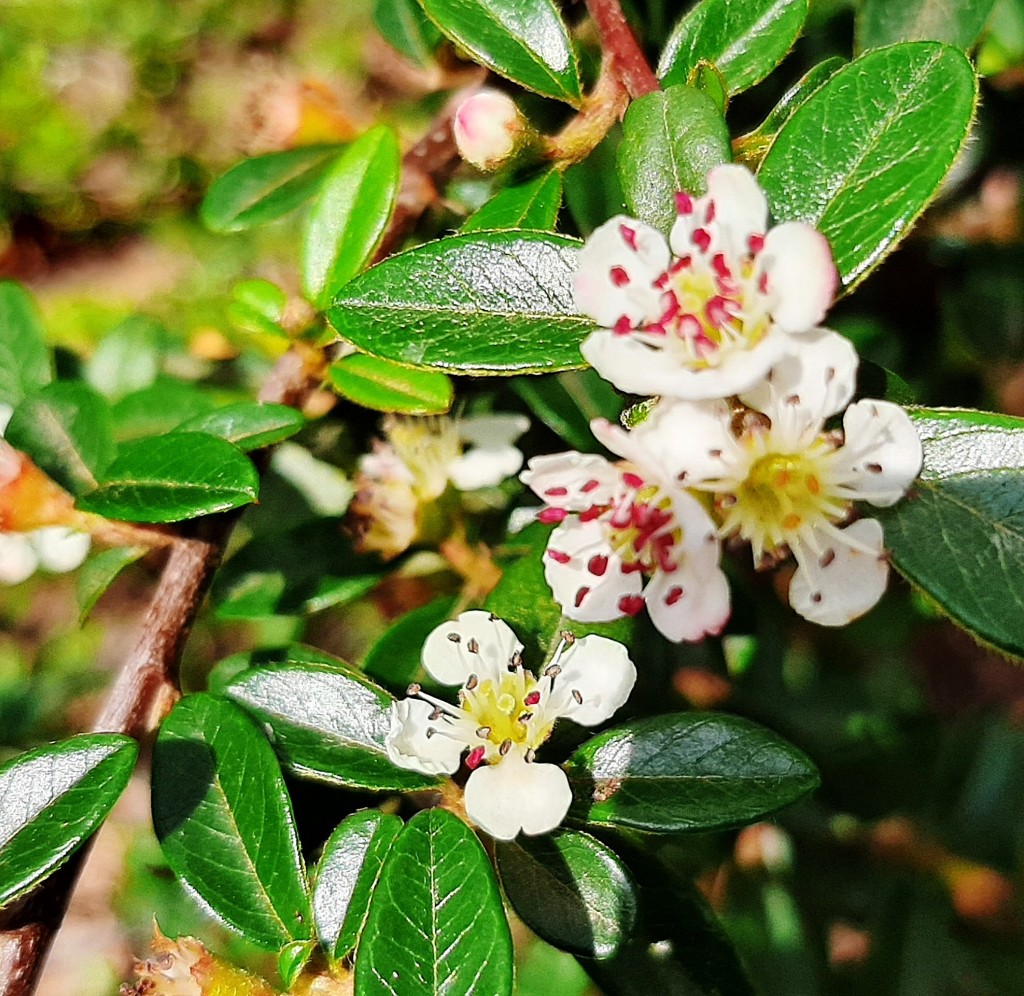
(504, 710)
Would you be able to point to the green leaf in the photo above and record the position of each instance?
(959, 535)
(385, 386)
(592, 189)
(671, 138)
(691, 771)
(128, 358)
(249, 425)
(403, 24)
(159, 408)
(533, 204)
(484, 303)
(327, 722)
(569, 889)
(24, 356)
(350, 214)
(347, 876)
(265, 578)
(436, 923)
(98, 573)
(524, 40)
(744, 39)
(66, 428)
(955, 22)
(265, 188)
(861, 159)
(567, 402)
(258, 306)
(394, 660)
(54, 798)
(174, 477)
(224, 820)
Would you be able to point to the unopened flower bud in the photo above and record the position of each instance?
(28, 498)
(490, 130)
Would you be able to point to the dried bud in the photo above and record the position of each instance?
(28, 498)
(490, 130)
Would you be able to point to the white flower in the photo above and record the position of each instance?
(488, 129)
(490, 456)
(706, 314)
(782, 482)
(504, 714)
(622, 524)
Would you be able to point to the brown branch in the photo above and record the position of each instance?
(148, 683)
(620, 43)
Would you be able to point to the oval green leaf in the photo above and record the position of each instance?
(862, 158)
(351, 212)
(959, 535)
(24, 356)
(567, 402)
(248, 424)
(347, 876)
(671, 138)
(54, 798)
(327, 722)
(533, 204)
(265, 188)
(524, 40)
(178, 476)
(97, 574)
(385, 386)
(686, 772)
(224, 820)
(743, 39)
(436, 923)
(569, 889)
(158, 408)
(395, 659)
(881, 22)
(67, 429)
(484, 303)
(403, 24)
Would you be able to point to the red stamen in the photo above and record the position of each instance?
(630, 604)
(631, 480)
(623, 326)
(559, 557)
(719, 310)
(702, 239)
(594, 512)
(580, 595)
(721, 268)
(597, 564)
(532, 699)
(589, 486)
(710, 215)
(628, 236)
(474, 758)
(755, 244)
(549, 515)
(631, 568)
(684, 203)
(558, 492)
(619, 276)
(674, 594)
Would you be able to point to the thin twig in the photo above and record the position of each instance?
(619, 42)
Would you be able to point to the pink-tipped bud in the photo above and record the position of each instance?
(490, 130)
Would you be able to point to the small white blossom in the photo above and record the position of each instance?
(707, 313)
(784, 483)
(504, 714)
(627, 536)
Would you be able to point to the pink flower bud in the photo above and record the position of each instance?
(489, 129)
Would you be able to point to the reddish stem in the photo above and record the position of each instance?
(620, 43)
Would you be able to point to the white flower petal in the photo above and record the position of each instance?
(584, 573)
(839, 584)
(601, 671)
(408, 745)
(513, 796)
(474, 643)
(18, 560)
(882, 454)
(617, 268)
(687, 437)
(6, 411)
(801, 275)
(740, 205)
(481, 467)
(60, 549)
(492, 431)
(573, 481)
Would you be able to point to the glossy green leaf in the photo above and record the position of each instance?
(249, 425)
(861, 159)
(533, 204)
(403, 24)
(265, 578)
(690, 771)
(436, 923)
(484, 303)
(265, 188)
(385, 386)
(567, 402)
(66, 429)
(570, 889)
(258, 306)
(959, 535)
(224, 821)
(327, 722)
(744, 39)
(54, 798)
(671, 138)
(707, 78)
(394, 660)
(128, 358)
(98, 573)
(174, 477)
(347, 876)
(350, 214)
(24, 356)
(955, 22)
(158, 408)
(524, 40)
